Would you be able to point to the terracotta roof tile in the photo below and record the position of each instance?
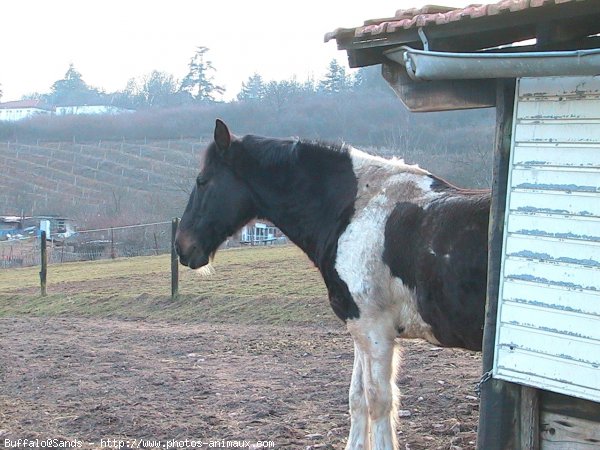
(440, 15)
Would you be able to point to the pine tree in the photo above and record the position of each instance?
(335, 79)
(253, 89)
(72, 90)
(199, 80)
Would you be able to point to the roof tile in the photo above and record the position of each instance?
(440, 15)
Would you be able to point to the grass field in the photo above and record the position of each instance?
(250, 285)
(251, 352)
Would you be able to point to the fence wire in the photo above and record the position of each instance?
(88, 245)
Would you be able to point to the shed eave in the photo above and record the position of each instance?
(432, 65)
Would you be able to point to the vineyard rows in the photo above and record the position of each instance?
(38, 178)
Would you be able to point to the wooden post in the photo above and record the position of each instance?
(500, 401)
(155, 244)
(530, 419)
(112, 243)
(174, 261)
(44, 264)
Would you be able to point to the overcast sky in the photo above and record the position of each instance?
(111, 41)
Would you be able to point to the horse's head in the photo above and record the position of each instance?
(219, 205)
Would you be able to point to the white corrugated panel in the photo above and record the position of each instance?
(548, 331)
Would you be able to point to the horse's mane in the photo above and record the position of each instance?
(274, 152)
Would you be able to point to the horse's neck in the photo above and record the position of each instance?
(313, 203)
(311, 209)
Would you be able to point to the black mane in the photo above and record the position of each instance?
(288, 152)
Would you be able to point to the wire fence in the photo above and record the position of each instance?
(115, 242)
(88, 245)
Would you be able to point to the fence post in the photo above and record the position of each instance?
(44, 264)
(112, 243)
(174, 261)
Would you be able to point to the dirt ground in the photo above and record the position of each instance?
(93, 379)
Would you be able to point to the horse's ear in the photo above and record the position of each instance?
(222, 136)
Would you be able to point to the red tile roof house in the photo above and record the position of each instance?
(23, 109)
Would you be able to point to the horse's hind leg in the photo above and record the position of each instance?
(359, 414)
(377, 348)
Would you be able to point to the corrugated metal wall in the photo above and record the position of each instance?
(548, 333)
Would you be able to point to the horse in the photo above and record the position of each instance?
(402, 252)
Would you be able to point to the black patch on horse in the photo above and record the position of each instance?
(441, 253)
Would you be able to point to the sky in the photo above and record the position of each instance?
(112, 41)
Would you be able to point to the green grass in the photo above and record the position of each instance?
(250, 285)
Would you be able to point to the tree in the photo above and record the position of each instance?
(199, 80)
(335, 79)
(159, 89)
(279, 93)
(130, 97)
(72, 90)
(253, 89)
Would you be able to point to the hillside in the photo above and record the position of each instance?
(123, 181)
(111, 183)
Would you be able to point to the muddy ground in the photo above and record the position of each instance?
(93, 379)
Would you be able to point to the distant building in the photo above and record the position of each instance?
(23, 109)
(90, 109)
(12, 227)
(257, 233)
(9, 222)
(61, 227)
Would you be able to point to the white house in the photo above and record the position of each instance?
(259, 233)
(90, 109)
(23, 109)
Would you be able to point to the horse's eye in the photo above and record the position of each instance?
(201, 181)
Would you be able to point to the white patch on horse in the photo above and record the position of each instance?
(359, 260)
(387, 306)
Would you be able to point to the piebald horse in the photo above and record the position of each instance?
(402, 252)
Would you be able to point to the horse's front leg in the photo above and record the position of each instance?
(359, 414)
(377, 347)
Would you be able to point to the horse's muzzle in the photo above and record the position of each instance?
(190, 255)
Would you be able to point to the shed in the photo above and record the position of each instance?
(10, 225)
(538, 63)
(61, 227)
